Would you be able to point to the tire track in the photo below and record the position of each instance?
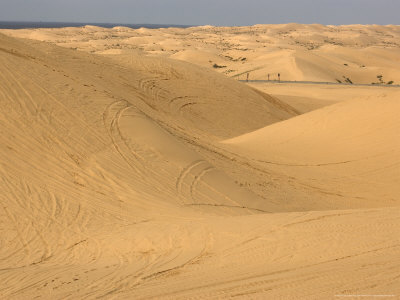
(141, 165)
(111, 117)
(172, 101)
(197, 179)
(188, 104)
(228, 206)
(185, 172)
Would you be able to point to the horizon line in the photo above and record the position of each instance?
(184, 25)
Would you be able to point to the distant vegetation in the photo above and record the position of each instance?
(381, 81)
(235, 59)
(347, 79)
(218, 66)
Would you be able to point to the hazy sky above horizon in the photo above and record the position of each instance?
(202, 12)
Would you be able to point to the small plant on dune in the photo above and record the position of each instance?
(390, 82)
(218, 66)
(347, 79)
(380, 78)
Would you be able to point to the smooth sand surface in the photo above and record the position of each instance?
(308, 97)
(126, 174)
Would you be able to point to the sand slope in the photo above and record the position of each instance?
(351, 148)
(114, 183)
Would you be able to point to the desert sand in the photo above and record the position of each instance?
(348, 53)
(133, 168)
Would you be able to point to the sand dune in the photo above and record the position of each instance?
(353, 53)
(350, 148)
(125, 175)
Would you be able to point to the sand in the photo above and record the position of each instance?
(351, 53)
(132, 171)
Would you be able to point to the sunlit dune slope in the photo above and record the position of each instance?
(114, 184)
(351, 148)
(306, 97)
(72, 126)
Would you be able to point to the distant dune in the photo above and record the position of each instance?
(133, 169)
(351, 53)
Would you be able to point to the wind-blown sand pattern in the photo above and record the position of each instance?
(135, 174)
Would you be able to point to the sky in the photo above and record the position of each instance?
(204, 12)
